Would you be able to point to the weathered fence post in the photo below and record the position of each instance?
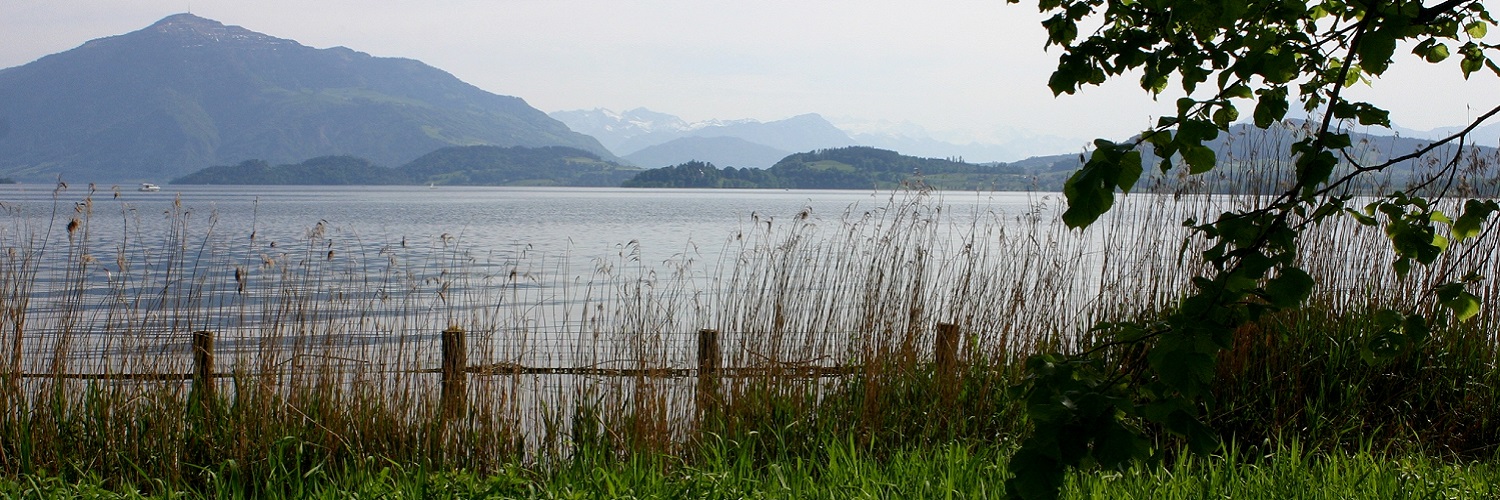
(945, 359)
(203, 366)
(455, 396)
(708, 368)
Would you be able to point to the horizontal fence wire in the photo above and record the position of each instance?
(499, 369)
(765, 366)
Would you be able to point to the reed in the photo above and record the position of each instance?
(328, 347)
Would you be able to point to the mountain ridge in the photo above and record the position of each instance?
(454, 165)
(640, 128)
(850, 167)
(728, 151)
(634, 130)
(188, 92)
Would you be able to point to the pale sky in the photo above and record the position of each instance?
(964, 67)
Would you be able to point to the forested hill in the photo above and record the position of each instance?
(320, 171)
(460, 165)
(855, 167)
(189, 92)
(518, 166)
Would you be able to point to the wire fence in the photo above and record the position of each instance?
(707, 343)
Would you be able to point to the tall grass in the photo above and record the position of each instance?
(328, 346)
(843, 469)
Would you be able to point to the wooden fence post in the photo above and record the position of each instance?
(455, 372)
(708, 368)
(203, 366)
(945, 359)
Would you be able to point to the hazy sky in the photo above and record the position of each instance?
(971, 67)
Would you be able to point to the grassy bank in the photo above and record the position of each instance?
(327, 369)
(839, 470)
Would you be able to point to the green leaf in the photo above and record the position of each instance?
(1225, 115)
(1118, 446)
(1184, 370)
(1314, 169)
(1199, 158)
(1280, 67)
(1363, 219)
(1336, 141)
(1375, 50)
(1438, 53)
(1088, 196)
(1470, 65)
(1402, 265)
(1034, 476)
(1472, 220)
(1270, 108)
(1476, 29)
(1454, 297)
(1091, 190)
(1289, 288)
(1381, 346)
(1415, 327)
(1196, 131)
(1130, 170)
(1465, 306)
(1239, 91)
(1371, 115)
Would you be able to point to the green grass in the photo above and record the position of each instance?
(842, 469)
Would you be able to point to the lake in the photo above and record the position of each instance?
(584, 221)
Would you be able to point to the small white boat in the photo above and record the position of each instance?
(149, 187)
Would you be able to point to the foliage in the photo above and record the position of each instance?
(1311, 375)
(1086, 412)
(697, 174)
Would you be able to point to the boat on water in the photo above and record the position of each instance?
(149, 187)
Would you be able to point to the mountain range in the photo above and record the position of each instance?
(187, 92)
(1486, 135)
(652, 139)
(729, 151)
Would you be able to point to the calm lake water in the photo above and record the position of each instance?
(586, 222)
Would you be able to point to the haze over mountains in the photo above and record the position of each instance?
(186, 93)
(652, 139)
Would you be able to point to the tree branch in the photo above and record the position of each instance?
(1360, 169)
(1430, 14)
(1420, 152)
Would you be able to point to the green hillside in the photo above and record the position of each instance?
(325, 170)
(517, 166)
(854, 167)
(461, 165)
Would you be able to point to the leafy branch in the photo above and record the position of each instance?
(1085, 412)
